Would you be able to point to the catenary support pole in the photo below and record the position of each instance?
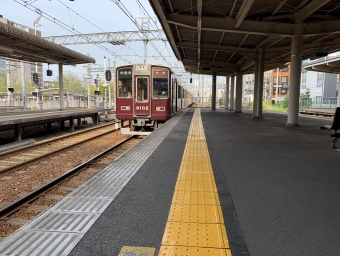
(106, 82)
(23, 84)
(61, 87)
(88, 84)
(8, 78)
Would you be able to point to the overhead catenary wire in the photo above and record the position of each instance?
(68, 8)
(70, 29)
(128, 14)
(146, 13)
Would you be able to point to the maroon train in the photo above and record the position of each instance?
(148, 95)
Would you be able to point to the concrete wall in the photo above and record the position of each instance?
(330, 86)
(311, 83)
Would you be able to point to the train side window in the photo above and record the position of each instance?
(160, 88)
(125, 88)
(142, 89)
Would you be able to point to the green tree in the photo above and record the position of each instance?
(71, 82)
(3, 82)
(16, 82)
(286, 101)
(305, 99)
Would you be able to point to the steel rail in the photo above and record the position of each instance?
(54, 139)
(51, 152)
(34, 194)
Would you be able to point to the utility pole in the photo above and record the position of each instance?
(39, 101)
(23, 82)
(113, 81)
(8, 74)
(88, 83)
(105, 82)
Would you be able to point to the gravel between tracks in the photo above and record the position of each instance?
(26, 179)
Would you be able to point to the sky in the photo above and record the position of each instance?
(89, 16)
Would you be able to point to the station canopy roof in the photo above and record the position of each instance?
(19, 44)
(226, 36)
(329, 64)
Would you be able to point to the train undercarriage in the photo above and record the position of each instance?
(141, 126)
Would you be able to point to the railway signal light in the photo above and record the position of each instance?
(35, 78)
(96, 80)
(108, 75)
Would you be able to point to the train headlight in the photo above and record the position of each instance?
(160, 108)
(125, 108)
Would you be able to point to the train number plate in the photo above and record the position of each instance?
(142, 107)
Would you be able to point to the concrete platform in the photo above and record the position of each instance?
(19, 119)
(278, 188)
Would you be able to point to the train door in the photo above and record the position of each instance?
(176, 96)
(142, 96)
(173, 95)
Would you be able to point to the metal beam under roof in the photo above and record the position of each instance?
(18, 44)
(234, 31)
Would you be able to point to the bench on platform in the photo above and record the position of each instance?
(335, 126)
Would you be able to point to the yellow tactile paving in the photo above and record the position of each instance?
(190, 251)
(195, 197)
(195, 234)
(192, 185)
(195, 224)
(196, 176)
(196, 213)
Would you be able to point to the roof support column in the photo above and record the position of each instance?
(213, 97)
(227, 92)
(232, 93)
(258, 86)
(338, 101)
(61, 87)
(238, 101)
(295, 75)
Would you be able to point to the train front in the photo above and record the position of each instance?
(142, 95)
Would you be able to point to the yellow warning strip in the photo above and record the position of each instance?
(195, 224)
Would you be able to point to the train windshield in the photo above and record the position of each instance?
(160, 88)
(125, 83)
(142, 89)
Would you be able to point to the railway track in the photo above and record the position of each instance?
(16, 158)
(316, 112)
(29, 187)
